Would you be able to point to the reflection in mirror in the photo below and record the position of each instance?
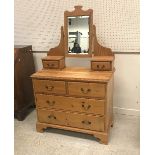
(78, 35)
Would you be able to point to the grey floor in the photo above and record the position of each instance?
(124, 139)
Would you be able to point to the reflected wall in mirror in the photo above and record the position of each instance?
(78, 35)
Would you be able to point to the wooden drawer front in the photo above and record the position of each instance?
(50, 64)
(86, 121)
(71, 103)
(88, 105)
(52, 117)
(101, 65)
(71, 119)
(87, 89)
(47, 86)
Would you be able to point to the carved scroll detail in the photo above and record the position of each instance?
(98, 49)
(78, 11)
(58, 50)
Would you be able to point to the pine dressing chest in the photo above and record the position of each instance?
(76, 99)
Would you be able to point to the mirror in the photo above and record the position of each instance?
(78, 25)
(78, 35)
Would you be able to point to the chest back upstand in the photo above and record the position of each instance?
(76, 99)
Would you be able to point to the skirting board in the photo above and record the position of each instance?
(125, 111)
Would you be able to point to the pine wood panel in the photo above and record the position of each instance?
(71, 119)
(103, 58)
(74, 74)
(53, 58)
(53, 117)
(109, 106)
(70, 103)
(101, 65)
(62, 64)
(50, 64)
(102, 136)
(58, 50)
(87, 89)
(53, 62)
(86, 121)
(47, 86)
(98, 49)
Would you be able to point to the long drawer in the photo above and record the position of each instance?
(87, 89)
(49, 86)
(89, 122)
(70, 103)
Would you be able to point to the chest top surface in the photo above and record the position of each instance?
(74, 74)
(53, 58)
(103, 58)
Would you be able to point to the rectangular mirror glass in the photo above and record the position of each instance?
(78, 35)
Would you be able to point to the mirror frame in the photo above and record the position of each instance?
(78, 12)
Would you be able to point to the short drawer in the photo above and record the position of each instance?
(101, 65)
(70, 103)
(86, 121)
(52, 117)
(50, 64)
(83, 121)
(49, 86)
(87, 89)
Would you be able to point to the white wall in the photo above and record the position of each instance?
(127, 86)
(38, 22)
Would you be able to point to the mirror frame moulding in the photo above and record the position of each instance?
(78, 12)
